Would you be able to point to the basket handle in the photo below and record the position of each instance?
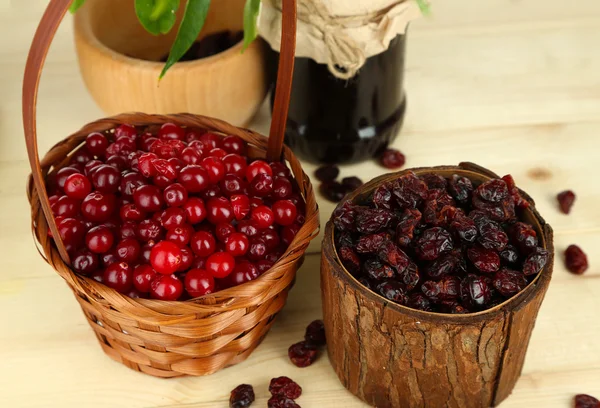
(40, 45)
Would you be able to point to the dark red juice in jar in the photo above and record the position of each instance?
(335, 120)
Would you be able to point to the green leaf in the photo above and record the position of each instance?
(157, 16)
(424, 6)
(250, 16)
(75, 5)
(191, 25)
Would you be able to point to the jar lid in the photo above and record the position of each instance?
(340, 33)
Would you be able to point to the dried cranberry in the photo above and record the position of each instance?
(409, 191)
(392, 159)
(566, 200)
(475, 292)
(394, 291)
(279, 401)
(350, 259)
(409, 219)
(502, 211)
(460, 188)
(302, 354)
(486, 260)
(491, 236)
(420, 302)
(315, 334)
(371, 220)
(344, 216)
(435, 202)
(382, 197)
(394, 256)
(285, 387)
(444, 265)
(435, 181)
(327, 172)
(375, 269)
(344, 239)
(464, 227)
(432, 243)
(586, 401)
(576, 260)
(524, 236)
(535, 262)
(369, 244)
(509, 254)
(410, 277)
(508, 282)
(241, 396)
(518, 200)
(493, 191)
(332, 191)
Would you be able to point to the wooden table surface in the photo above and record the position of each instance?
(510, 84)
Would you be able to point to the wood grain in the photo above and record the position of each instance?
(510, 84)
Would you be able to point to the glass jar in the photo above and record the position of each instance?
(334, 120)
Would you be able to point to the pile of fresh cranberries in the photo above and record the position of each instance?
(173, 213)
(440, 245)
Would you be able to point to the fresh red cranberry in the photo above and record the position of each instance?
(161, 181)
(280, 170)
(210, 192)
(219, 210)
(165, 168)
(270, 238)
(575, 260)
(129, 250)
(235, 164)
(148, 198)
(217, 153)
(194, 178)
(170, 131)
(146, 249)
(195, 210)
(175, 195)
(203, 243)
(192, 135)
(302, 354)
(220, 264)
(130, 182)
(237, 244)
(392, 159)
(98, 207)
(256, 168)
(125, 130)
(127, 230)
(149, 230)
(77, 186)
(145, 143)
(232, 185)
(240, 205)
(85, 262)
(284, 212)
(198, 263)
(63, 174)
(264, 265)
(198, 146)
(99, 239)
(187, 257)
(282, 188)
(146, 166)
(214, 168)
(288, 233)
(234, 144)
(134, 160)
(189, 155)
(81, 156)
(165, 149)
(262, 216)
(129, 212)
(243, 272)
(109, 258)
(143, 275)
(118, 276)
(106, 179)
(91, 166)
(257, 249)
(261, 185)
(256, 202)
(66, 206)
(165, 257)
(248, 228)
(223, 231)
(180, 235)
(166, 287)
(210, 140)
(199, 282)
(96, 143)
(173, 217)
(565, 201)
(117, 161)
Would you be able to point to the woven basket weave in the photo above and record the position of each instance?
(162, 338)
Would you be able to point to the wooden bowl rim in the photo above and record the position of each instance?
(546, 235)
(82, 28)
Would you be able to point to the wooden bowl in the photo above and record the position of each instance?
(119, 64)
(393, 356)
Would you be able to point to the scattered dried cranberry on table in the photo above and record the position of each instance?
(442, 245)
(279, 401)
(304, 353)
(331, 189)
(576, 260)
(315, 333)
(286, 387)
(586, 401)
(171, 212)
(392, 159)
(241, 396)
(565, 201)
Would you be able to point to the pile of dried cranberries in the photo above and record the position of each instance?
(440, 245)
(173, 213)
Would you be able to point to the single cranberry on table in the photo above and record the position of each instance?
(576, 260)
(166, 287)
(566, 199)
(327, 173)
(220, 264)
(303, 354)
(286, 387)
(165, 257)
(586, 401)
(332, 191)
(315, 333)
(392, 159)
(241, 396)
(119, 276)
(279, 401)
(198, 282)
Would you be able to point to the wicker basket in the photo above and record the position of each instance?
(162, 338)
(394, 356)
